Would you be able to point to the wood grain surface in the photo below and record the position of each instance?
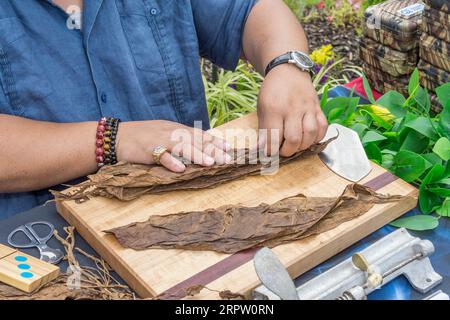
(156, 271)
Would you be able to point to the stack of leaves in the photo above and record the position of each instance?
(402, 135)
(127, 181)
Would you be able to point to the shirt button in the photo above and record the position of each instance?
(104, 97)
(153, 11)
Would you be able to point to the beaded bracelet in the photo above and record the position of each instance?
(105, 153)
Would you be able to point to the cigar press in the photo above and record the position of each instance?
(398, 253)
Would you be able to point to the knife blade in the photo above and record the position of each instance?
(345, 156)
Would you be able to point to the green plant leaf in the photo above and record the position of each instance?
(340, 109)
(333, 103)
(360, 129)
(373, 152)
(434, 175)
(444, 210)
(444, 181)
(398, 124)
(393, 101)
(432, 158)
(391, 134)
(413, 82)
(372, 136)
(422, 98)
(443, 192)
(417, 223)
(335, 114)
(430, 201)
(447, 170)
(387, 160)
(423, 126)
(324, 98)
(444, 121)
(387, 151)
(368, 90)
(350, 109)
(415, 142)
(443, 93)
(442, 148)
(377, 119)
(409, 165)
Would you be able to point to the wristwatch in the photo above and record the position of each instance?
(297, 58)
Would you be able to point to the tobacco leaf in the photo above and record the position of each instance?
(227, 294)
(126, 181)
(232, 228)
(194, 290)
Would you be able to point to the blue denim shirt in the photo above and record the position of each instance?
(133, 59)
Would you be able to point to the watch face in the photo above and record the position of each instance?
(303, 59)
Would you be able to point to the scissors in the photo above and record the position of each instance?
(48, 254)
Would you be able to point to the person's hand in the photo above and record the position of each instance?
(288, 103)
(136, 141)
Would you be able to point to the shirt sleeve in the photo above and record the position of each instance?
(220, 26)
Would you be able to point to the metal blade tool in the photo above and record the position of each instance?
(272, 273)
(345, 156)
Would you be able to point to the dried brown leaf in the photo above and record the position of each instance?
(227, 294)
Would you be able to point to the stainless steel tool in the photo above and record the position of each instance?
(398, 253)
(48, 254)
(273, 275)
(438, 295)
(345, 156)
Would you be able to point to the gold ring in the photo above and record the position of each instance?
(157, 153)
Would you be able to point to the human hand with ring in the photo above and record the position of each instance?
(165, 142)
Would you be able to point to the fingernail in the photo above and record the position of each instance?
(266, 150)
(180, 166)
(228, 158)
(262, 141)
(209, 161)
(227, 146)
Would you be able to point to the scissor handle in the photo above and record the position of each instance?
(33, 241)
(28, 230)
(41, 240)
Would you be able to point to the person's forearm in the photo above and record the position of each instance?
(36, 155)
(271, 30)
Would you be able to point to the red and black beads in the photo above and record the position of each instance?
(105, 152)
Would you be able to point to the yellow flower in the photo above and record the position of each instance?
(382, 112)
(323, 55)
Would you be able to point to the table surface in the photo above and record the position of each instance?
(398, 289)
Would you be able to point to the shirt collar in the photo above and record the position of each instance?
(90, 12)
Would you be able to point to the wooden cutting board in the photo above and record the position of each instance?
(156, 271)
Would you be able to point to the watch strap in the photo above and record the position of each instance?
(284, 58)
